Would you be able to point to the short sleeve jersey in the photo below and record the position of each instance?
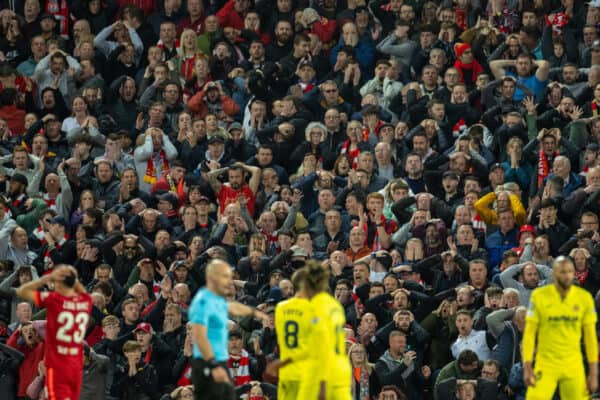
(560, 322)
(227, 195)
(66, 324)
(292, 324)
(328, 342)
(211, 310)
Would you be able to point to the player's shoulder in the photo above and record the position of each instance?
(323, 298)
(543, 292)
(202, 296)
(582, 294)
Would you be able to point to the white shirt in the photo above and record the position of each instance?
(475, 341)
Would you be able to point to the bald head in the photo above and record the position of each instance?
(219, 277)
(216, 267)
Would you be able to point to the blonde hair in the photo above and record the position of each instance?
(187, 32)
(365, 364)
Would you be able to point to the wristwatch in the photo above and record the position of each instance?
(211, 364)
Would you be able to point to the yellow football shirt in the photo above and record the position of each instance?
(560, 322)
(292, 324)
(328, 344)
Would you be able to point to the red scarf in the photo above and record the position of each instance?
(150, 176)
(60, 10)
(48, 259)
(594, 108)
(186, 376)
(307, 87)
(239, 368)
(50, 202)
(475, 68)
(581, 276)
(148, 356)
(40, 235)
(376, 245)
(353, 154)
(543, 167)
(17, 202)
(459, 128)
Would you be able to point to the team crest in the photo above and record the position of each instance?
(576, 307)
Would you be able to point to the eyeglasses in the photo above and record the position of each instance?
(130, 248)
(405, 272)
(359, 352)
(331, 91)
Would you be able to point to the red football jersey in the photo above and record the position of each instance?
(66, 324)
(227, 195)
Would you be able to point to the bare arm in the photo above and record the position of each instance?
(200, 338)
(27, 291)
(213, 179)
(254, 178)
(543, 70)
(497, 67)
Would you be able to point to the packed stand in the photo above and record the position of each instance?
(435, 157)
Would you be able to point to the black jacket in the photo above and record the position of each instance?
(141, 386)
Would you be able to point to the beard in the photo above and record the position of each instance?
(564, 284)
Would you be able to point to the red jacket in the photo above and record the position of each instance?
(15, 118)
(227, 16)
(28, 369)
(197, 105)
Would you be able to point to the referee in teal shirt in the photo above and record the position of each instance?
(208, 314)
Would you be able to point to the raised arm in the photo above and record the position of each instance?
(27, 291)
(498, 67)
(542, 71)
(213, 179)
(254, 178)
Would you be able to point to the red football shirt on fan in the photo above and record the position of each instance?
(227, 196)
(66, 324)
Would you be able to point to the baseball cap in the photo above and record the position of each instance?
(58, 220)
(204, 198)
(235, 126)
(19, 178)
(216, 139)
(144, 326)
(526, 228)
(274, 295)
(48, 16)
(450, 175)
(496, 166)
(593, 146)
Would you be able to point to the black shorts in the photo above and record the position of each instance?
(205, 388)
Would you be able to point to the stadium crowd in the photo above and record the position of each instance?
(435, 156)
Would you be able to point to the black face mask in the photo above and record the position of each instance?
(297, 264)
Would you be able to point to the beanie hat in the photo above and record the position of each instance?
(460, 48)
